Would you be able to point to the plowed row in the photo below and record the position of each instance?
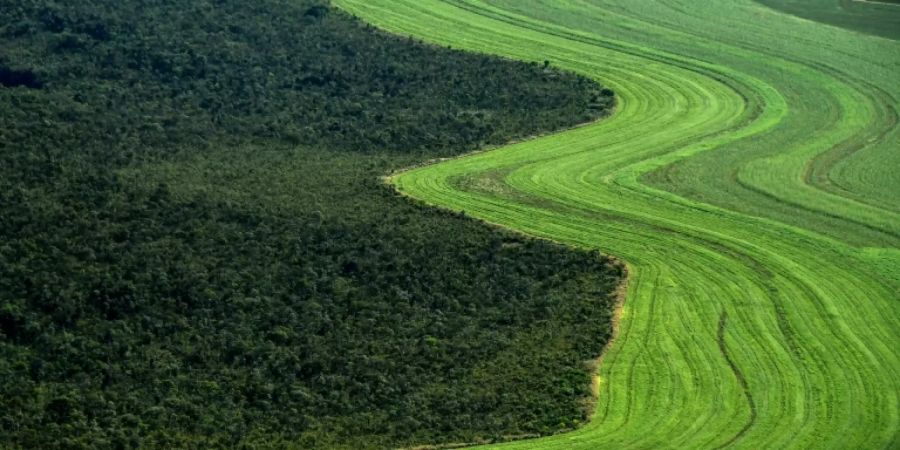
(750, 179)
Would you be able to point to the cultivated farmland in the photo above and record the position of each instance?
(750, 181)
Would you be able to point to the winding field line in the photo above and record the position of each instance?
(877, 2)
(751, 181)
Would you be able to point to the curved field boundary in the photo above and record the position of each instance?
(877, 17)
(877, 2)
(750, 181)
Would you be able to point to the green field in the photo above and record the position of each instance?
(749, 179)
(878, 17)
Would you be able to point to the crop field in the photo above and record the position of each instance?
(750, 179)
(878, 17)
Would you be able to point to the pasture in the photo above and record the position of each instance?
(749, 179)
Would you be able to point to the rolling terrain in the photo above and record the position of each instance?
(878, 17)
(750, 181)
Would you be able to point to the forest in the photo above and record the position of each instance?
(197, 250)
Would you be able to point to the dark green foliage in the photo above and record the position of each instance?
(196, 251)
(14, 78)
(284, 70)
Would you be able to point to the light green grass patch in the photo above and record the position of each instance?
(749, 178)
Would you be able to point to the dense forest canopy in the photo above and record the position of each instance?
(196, 250)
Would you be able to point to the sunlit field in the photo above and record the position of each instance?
(749, 179)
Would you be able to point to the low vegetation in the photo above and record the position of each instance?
(748, 178)
(876, 17)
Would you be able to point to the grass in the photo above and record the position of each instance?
(749, 179)
(878, 17)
